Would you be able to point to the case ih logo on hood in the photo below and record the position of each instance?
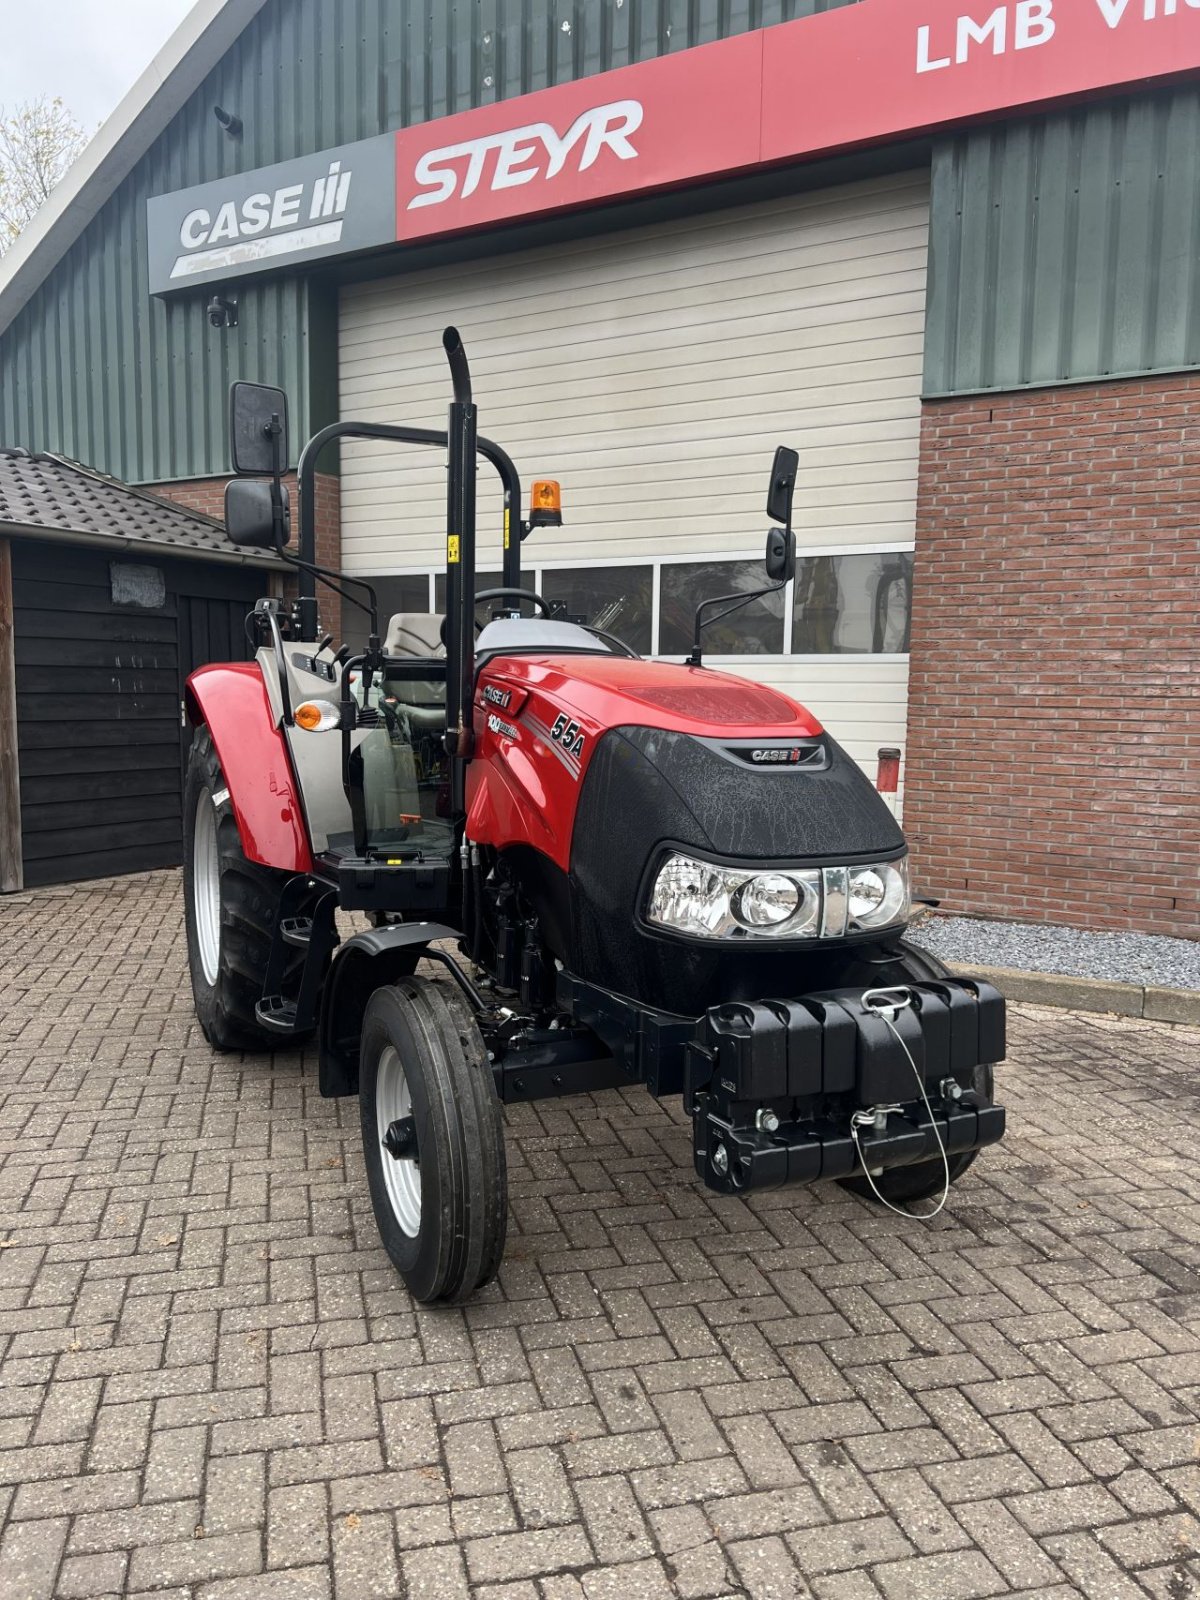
(521, 155)
(778, 757)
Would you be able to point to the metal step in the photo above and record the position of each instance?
(276, 1012)
(297, 931)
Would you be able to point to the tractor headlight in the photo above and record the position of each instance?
(878, 896)
(716, 902)
(712, 901)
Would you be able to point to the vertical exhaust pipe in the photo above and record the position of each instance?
(462, 434)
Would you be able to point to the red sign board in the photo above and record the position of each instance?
(673, 120)
(886, 69)
(864, 74)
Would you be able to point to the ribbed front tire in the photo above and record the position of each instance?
(440, 1196)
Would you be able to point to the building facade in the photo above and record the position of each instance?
(954, 261)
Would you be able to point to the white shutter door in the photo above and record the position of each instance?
(653, 372)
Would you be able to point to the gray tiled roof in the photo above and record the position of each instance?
(51, 495)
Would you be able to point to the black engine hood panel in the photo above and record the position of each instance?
(772, 813)
(645, 787)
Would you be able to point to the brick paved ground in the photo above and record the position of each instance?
(213, 1386)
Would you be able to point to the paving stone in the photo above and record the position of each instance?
(195, 1560)
(175, 1469)
(364, 1557)
(966, 1575)
(613, 1519)
(88, 1577)
(766, 1569)
(29, 1556)
(526, 1555)
(297, 1525)
(301, 1583)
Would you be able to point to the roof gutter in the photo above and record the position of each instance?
(120, 543)
(208, 31)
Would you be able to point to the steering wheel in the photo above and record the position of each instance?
(497, 594)
(518, 594)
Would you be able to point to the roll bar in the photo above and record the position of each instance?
(307, 476)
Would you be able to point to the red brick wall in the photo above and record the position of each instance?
(208, 495)
(1054, 721)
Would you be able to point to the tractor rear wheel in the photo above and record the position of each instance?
(433, 1139)
(924, 1179)
(231, 908)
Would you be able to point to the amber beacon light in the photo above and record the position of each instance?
(545, 504)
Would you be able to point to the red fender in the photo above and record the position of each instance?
(232, 702)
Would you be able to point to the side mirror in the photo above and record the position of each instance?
(783, 485)
(258, 429)
(250, 514)
(781, 554)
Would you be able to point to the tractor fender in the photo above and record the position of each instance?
(364, 963)
(232, 702)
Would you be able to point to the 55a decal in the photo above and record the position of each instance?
(568, 735)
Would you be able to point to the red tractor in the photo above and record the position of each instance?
(646, 872)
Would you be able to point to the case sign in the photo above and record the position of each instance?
(864, 74)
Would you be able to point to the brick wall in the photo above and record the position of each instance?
(1054, 722)
(208, 495)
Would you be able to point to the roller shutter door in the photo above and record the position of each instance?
(653, 372)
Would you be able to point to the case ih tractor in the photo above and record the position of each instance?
(646, 873)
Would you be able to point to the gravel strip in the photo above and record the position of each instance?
(1141, 958)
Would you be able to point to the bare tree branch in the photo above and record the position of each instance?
(38, 142)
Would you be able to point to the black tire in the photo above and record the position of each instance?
(457, 1244)
(249, 905)
(925, 1179)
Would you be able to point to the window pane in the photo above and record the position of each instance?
(618, 600)
(393, 593)
(852, 603)
(755, 629)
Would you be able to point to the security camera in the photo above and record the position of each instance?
(222, 311)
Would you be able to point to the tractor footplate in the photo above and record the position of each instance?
(773, 1084)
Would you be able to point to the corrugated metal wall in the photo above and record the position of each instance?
(1067, 248)
(93, 368)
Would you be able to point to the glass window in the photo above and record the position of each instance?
(618, 600)
(755, 629)
(852, 603)
(393, 593)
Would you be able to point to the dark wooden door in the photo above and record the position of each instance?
(103, 646)
(97, 720)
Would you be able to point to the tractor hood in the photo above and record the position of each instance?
(607, 691)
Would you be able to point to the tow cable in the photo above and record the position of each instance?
(887, 1004)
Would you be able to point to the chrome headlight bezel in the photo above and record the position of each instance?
(689, 896)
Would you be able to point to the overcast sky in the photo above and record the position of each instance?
(88, 52)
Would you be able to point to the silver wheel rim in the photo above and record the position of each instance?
(401, 1175)
(206, 886)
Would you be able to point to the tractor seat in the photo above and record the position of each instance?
(416, 635)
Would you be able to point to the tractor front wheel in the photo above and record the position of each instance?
(433, 1140)
(231, 908)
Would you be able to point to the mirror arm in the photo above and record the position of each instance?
(739, 600)
(334, 581)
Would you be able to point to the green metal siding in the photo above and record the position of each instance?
(95, 369)
(1066, 248)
